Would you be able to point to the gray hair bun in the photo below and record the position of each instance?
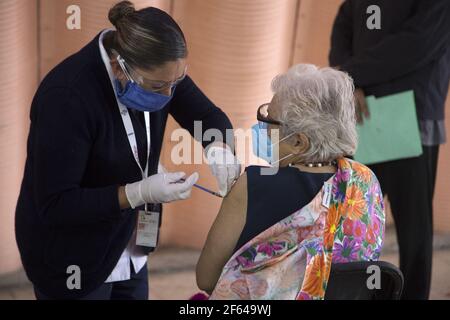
(119, 11)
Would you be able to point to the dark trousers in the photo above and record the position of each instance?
(409, 184)
(134, 289)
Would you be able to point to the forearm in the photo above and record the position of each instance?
(190, 106)
(219, 122)
(123, 200)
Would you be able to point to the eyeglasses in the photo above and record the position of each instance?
(151, 85)
(263, 115)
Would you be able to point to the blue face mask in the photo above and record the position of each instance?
(135, 97)
(262, 144)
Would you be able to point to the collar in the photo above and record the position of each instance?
(106, 60)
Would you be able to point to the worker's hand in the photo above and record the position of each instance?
(160, 188)
(224, 166)
(362, 111)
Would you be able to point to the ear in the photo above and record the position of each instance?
(301, 143)
(117, 70)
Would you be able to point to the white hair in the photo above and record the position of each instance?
(320, 104)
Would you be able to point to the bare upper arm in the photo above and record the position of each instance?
(223, 235)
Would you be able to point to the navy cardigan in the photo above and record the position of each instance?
(77, 156)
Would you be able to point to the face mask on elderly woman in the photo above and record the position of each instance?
(262, 144)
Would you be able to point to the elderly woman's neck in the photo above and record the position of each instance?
(324, 169)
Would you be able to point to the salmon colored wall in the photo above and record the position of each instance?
(315, 21)
(18, 61)
(236, 47)
(57, 42)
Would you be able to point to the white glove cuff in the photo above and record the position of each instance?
(220, 155)
(134, 195)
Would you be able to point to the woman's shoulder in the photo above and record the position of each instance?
(361, 169)
(71, 72)
(264, 180)
(256, 172)
(264, 171)
(236, 199)
(251, 169)
(239, 188)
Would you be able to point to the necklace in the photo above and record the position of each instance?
(316, 164)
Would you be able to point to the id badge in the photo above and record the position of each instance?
(147, 229)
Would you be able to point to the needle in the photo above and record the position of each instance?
(161, 167)
(204, 189)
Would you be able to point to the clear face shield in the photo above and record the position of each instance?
(155, 86)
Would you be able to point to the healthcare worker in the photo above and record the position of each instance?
(91, 174)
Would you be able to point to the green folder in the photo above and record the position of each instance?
(391, 132)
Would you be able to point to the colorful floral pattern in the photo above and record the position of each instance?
(292, 259)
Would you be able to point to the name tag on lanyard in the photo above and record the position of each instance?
(148, 221)
(147, 229)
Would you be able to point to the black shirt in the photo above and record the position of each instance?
(411, 51)
(271, 198)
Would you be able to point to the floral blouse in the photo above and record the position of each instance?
(292, 259)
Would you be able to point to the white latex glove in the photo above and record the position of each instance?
(161, 168)
(224, 166)
(160, 188)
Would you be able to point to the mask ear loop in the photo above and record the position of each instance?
(285, 157)
(121, 62)
(273, 163)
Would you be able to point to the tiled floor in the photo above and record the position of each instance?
(172, 272)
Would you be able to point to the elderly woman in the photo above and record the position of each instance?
(278, 231)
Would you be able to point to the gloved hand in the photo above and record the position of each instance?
(160, 188)
(224, 166)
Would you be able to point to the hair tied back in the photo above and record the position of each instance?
(119, 11)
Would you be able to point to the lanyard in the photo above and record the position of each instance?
(126, 119)
(125, 114)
